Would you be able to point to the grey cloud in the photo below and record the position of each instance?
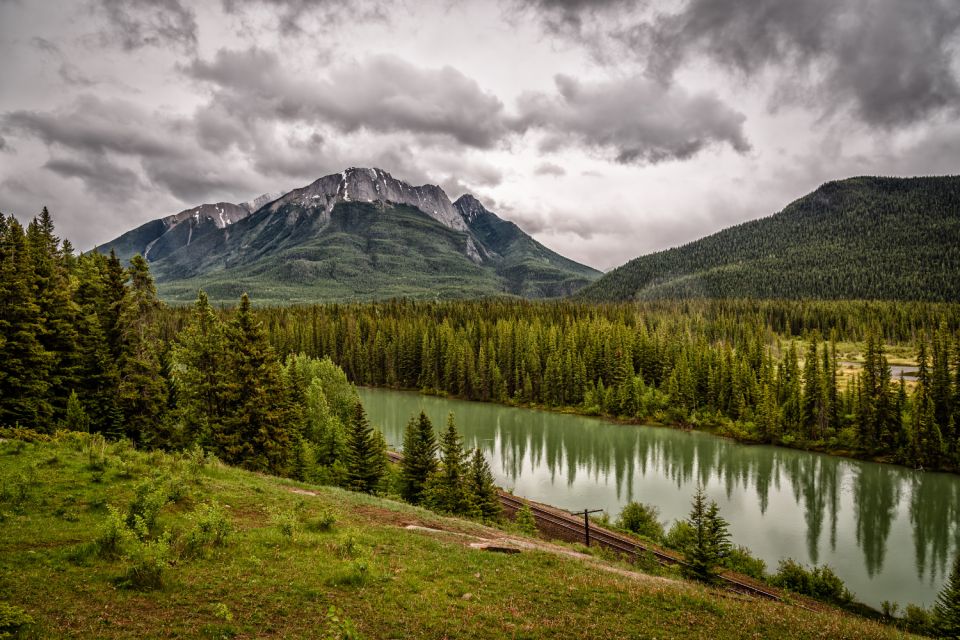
(639, 120)
(45, 45)
(92, 124)
(99, 174)
(100, 135)
(291, 15)
(895, 60)
(3, 144)
(382, 93)
(140, 23)
(549, 169)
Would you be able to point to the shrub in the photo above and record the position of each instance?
(286, 522)
(338, 626)
(740, 559)
(323, 521)
(211, 527)
(113, 536)
(820, 582)
(13, 620)
(149, 499)
(642, 519)
(524, 520)
(148, 561)
(679, 535)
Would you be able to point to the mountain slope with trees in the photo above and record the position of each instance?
(357, 235)
(861, 238)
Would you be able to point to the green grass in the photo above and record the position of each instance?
(301, 561)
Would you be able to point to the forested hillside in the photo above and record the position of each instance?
(862, 238)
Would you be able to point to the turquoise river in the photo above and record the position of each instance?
(889, 532)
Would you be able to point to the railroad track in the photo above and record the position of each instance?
(572, 530)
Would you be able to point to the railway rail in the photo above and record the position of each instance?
(566, 527)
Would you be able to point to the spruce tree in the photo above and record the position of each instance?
(142, 395)
(200, 373)
(24, 363)
(483, 492)
(946, 611)
(257, 431)
(710, 540)
(365, 459)
(419, 458)
(446, 489)
(53, 291)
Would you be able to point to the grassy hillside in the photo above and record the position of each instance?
(246, 555)
(870, 238)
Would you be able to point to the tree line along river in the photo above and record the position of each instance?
(888, 531)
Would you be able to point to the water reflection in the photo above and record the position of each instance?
(860, 518)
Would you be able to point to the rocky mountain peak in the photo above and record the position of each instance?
(470, 208)
(358, 184)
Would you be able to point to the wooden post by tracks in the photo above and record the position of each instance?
(586, 521)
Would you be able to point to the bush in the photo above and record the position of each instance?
(323, 521)
(524, 520)
(679, 535)
(211, 527)
(13, 620)
(338, 627)
(113, 536)
(148, 561)
(286, 522)
(641, 519)
(740, 559)
(149, 499)
(820, 582)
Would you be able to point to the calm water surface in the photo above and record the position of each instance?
(888, 532)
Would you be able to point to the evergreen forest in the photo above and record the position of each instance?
(88, 345)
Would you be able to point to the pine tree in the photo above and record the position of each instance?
(946, 611)
(483, 492)
(57, 308)
(142, 395)
(446, 489)
(710, 540)
(76, 418)
(98, 378)
(24, 363)
(200, 373)
(257, 427)
(365, 456)
(419, 458)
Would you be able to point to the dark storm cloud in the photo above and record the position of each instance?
(94, 125)
(382, 93)
(895, 60)
(99, 174)
(638, 120)
(101, 136)
(141, 23)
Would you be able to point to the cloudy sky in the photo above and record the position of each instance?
(606, 128)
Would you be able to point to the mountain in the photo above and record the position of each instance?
(866, 237)
(356, 235)
(159, 238)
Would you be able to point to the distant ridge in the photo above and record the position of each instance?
(866, 237)
(360, 234)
